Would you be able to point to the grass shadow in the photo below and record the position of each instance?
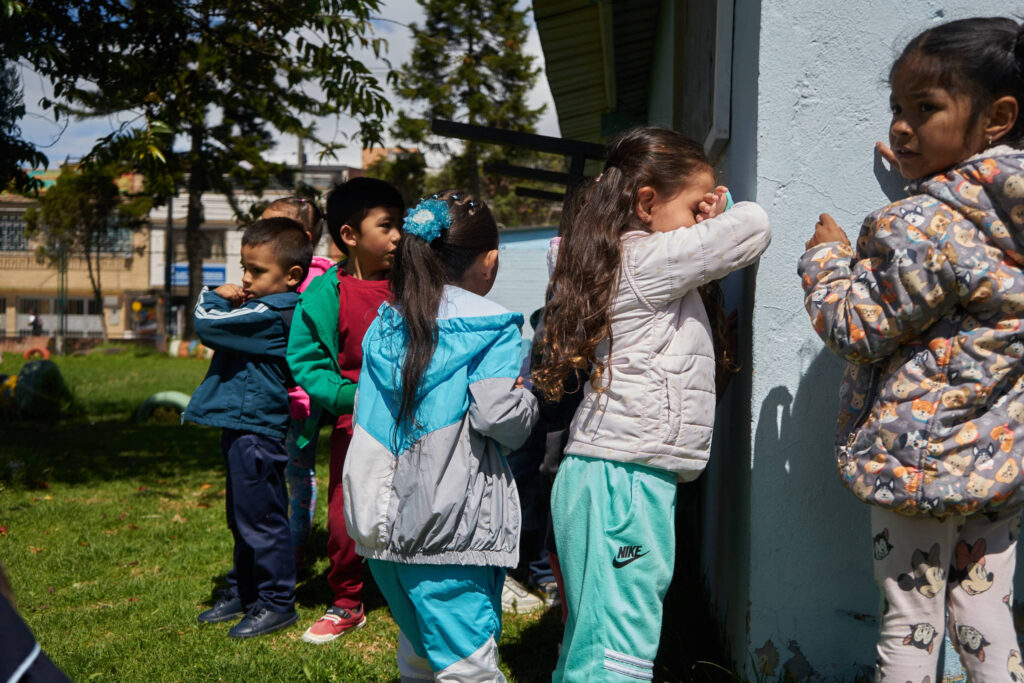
(531, 655)
(82, 452)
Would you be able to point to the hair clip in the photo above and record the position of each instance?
(428, 219)
(598, 178)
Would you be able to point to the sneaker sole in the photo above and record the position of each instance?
(220, 619)
(320, 640)
(276, 627)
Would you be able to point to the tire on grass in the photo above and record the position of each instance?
(162, 406)
(37, 353)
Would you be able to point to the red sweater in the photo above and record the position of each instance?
(357, 307)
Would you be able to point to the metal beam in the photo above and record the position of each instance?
(533, 193)
(526, 173)
(511, 138)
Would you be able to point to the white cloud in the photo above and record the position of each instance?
(75, 140)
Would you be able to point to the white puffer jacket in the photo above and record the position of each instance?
(658, 408)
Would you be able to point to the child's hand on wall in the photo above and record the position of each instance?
(714, 203)
(233, 293)
(826, 230)
(887, 154)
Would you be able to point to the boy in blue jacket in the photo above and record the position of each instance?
(245, 393)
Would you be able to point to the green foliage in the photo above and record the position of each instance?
(407, 171)
(227, 77)
(75, 216)
(468, 65)
(14, 152)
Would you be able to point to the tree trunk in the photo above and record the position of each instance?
(193, 236)
(92, 247)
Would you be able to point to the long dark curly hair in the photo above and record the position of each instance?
(590, 253)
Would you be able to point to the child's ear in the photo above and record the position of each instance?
(294, 277)
(349, 235)
(489, 264)
(1002, 114)
(644, 203)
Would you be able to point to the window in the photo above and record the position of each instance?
(213, 245)
(12, 232)
(27, 306)
(95, 308)
(116, 240)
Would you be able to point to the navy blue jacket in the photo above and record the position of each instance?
(246, 385)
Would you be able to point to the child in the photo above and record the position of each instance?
(301, 469)
(364, 217)
(429, 498)
(636, 245)
(245, 394)
(927, 313)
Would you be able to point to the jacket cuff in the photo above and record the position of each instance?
(346, 399)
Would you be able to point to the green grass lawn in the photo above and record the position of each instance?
(114, 539)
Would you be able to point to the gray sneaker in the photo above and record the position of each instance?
(516, 599)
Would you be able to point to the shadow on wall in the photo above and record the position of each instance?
(813, 599)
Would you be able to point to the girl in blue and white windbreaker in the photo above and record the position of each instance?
(429, 498)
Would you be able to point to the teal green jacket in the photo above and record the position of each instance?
(313, 349)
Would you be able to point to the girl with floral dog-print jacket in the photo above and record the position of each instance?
(930, 316)
(928, 313)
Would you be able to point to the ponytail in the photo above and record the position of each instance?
(443, 237)
(590, 253)
(982, 57)
(303, 211)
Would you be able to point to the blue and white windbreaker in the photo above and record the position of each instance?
(440, 493)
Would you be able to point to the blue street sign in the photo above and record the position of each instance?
(214, 274)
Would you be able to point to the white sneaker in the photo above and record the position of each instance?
(516, 599)
(550, 594)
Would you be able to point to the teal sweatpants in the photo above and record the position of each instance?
(449, 618)
(615, 531)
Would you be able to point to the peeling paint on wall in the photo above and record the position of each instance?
(767, 658)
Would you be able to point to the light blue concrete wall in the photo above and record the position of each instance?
(821, 103)
(522, 272)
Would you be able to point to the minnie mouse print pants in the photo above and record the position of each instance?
(928, 568)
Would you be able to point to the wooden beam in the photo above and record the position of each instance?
(526, 173)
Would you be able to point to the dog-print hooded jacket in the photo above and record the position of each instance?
(928, 313)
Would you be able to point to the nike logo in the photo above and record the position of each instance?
(627, 554)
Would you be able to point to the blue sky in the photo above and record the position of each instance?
(72, 139)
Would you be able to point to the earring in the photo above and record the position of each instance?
(989, 140)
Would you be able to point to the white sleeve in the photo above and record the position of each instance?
(663, 266)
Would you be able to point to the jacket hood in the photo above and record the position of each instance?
(988, 190)
(467, 325)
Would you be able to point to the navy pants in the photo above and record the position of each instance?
(257, 508)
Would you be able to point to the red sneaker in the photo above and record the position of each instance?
(334, 623)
